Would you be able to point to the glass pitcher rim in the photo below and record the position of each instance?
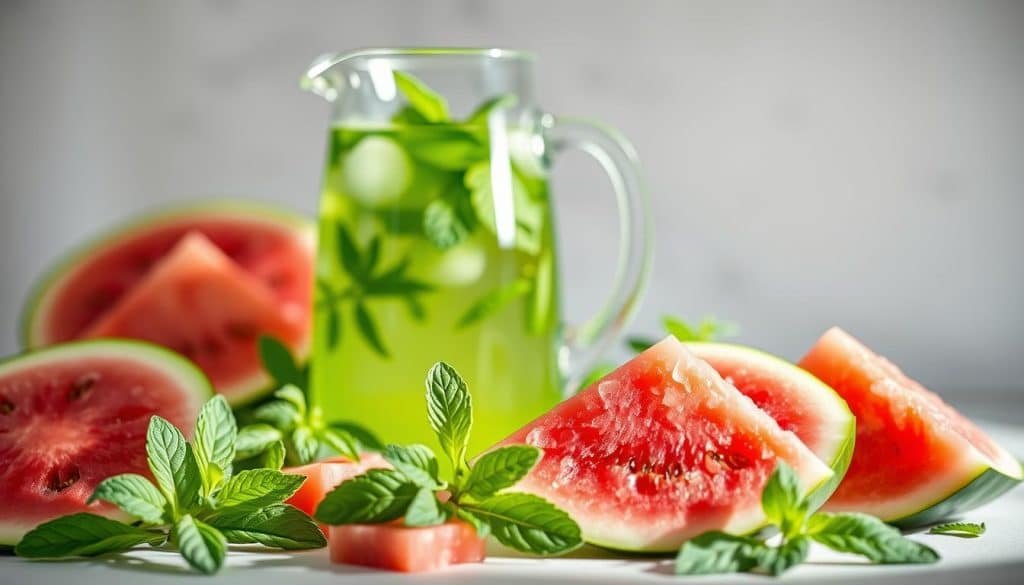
(328, 60)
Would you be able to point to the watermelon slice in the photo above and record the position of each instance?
(797, 400)
(259, 282)
(917, 459)
(74, 414)
(659, 451)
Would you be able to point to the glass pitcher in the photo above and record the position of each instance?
(437, 240)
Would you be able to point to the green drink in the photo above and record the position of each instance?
(437, 241)
(411, 271)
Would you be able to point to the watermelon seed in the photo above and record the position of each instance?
(6, 406)
(736, 461)
(60, 481)
(675, 470)
(82, 385)
(631, 466)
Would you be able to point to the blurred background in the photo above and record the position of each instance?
(808, 163)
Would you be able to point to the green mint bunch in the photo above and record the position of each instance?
(197, 504)
(415, 491)
(718, 552)
(286, 428)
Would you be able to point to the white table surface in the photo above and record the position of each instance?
(996, 557)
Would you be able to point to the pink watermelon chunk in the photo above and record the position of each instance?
(198, 302)
(659, 451)
(74, 414)
(917, 460)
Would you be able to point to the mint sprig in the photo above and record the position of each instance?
(196, 503)
(286, 429)
(475, 492)
(709, 328)
(785, 507)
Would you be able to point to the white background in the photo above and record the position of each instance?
(809, 163)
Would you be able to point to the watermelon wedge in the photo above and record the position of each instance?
(259, 282)
(797, 400)
(659, 451)
(74, 414)
(917, 460)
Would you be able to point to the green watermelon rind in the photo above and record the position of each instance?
(842, 452)
(46, 287)
(987, 485)
(188, 377)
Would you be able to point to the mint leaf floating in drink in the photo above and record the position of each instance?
(476, 493)
(959, 529)
(427, 103)
(198, 503)
(784, 506)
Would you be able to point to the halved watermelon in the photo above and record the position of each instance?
(262, 283)
(74, 414)
(917, 460)
(797, 400)
(659, 451)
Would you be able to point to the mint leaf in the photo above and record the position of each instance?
(445, 148)
(528, 523)
(494, 301)
(415, 462)
(782, 501)
(214, 443)
(279, 363)
(527, 212)
(349, 254)
(379, 495)
(340, 442)
(709, 328)
(279, 414)
(82, 535)
(427, 103)
(640, 344)
(481, 114)
(305, 445)
(717, 552)
(450, 411)
(255, 439)
(959, 529)
(135, 495)
(367, 440)
(500, 469)
(443, 225)
(483, 529)
(278, 525)
(202, 545)
(273, 457)
(258, 488)
(792, 552)
(291, 394)
(869, 537)
(173, 464)
(368, 329)
(424, 509)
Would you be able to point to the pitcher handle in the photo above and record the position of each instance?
(584, 343)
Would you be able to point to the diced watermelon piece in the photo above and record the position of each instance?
(401, 548)
(916, 460)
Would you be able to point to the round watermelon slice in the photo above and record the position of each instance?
(659, 451)
(74, 414)
(797, 400)
(204, 280)
(917, 461)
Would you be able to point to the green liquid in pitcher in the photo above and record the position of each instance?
(419, 261)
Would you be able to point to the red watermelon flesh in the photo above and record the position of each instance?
(198, 302)
(913, 451)
(659, 451)
(75, 414)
